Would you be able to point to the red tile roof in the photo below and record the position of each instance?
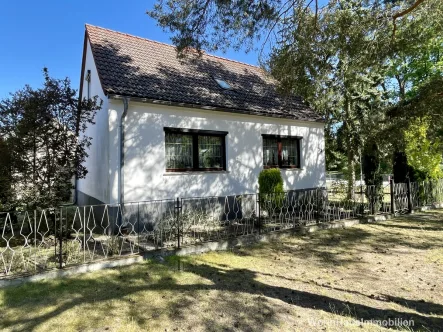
(137, 67)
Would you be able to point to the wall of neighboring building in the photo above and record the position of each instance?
(94, 189)
(145, 177)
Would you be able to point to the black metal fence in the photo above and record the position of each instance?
(34, 241)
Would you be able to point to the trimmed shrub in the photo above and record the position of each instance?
(270, 188)
(270, 181)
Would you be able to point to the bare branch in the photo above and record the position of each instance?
(408, 10)
(403, 13)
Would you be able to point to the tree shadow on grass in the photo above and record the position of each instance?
(411, 227)
(431, 217)
(230, 284)
(329, 247)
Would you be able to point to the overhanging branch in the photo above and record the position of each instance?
(404, 12)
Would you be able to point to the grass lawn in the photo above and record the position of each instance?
(379, 271)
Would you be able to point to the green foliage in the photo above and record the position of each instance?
(270, 187)
(329, 59)
(423, 155)
(372, 174)
(415, 82)
(45, 133)
(270, 181)
(215, 24)
(371, 164)
(6, 179)
(402, 171)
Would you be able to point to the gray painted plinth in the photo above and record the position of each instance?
(430, 207)
(222, 245)
(71, 271)
(345, 223)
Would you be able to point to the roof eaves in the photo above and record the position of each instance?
(214, 108)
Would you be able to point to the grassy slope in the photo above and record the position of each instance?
(378, 271)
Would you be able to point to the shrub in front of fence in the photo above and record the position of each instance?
(271, 194)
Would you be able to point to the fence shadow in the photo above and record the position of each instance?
(230, 284)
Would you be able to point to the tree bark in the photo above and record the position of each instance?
(401, 87)
(350, 148)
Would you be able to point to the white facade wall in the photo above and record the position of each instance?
(145, 177)
(96, 183)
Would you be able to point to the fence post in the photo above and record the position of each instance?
(431, 190)
(177, 211)
(408, 184)
(317, 216)
(371, 199)
(138, 226)
(60, 254)
(259, 214)
(35, 239)
(362, 198)
(391, 185)
(55, 236)
(84, 234)
(418, 195)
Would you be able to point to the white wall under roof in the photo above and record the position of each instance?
(96, 184)
(145, 177)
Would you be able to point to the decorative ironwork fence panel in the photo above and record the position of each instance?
(39, 240)
(401, 197)
(27, 243)
(280, 211)
(438, 188)
(213, 218)
(415, 194)
(339, 204)
(432, 192)
(377, 199)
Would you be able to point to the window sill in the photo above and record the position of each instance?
(195, 173)
(286, 168)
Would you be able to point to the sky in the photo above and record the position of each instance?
(49, 33)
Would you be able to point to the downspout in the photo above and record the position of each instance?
(122, 146)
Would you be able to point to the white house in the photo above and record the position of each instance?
(197, 126)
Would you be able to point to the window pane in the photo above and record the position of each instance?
(270, 152)
(289, 152)
(210, 152)
(178, 151)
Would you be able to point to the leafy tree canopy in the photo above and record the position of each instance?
(350, 59)
(43, 131)
(423, 154)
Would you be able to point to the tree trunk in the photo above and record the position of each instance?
(350, 149)
(351, 175)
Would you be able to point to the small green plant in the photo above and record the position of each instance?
(270, 188)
